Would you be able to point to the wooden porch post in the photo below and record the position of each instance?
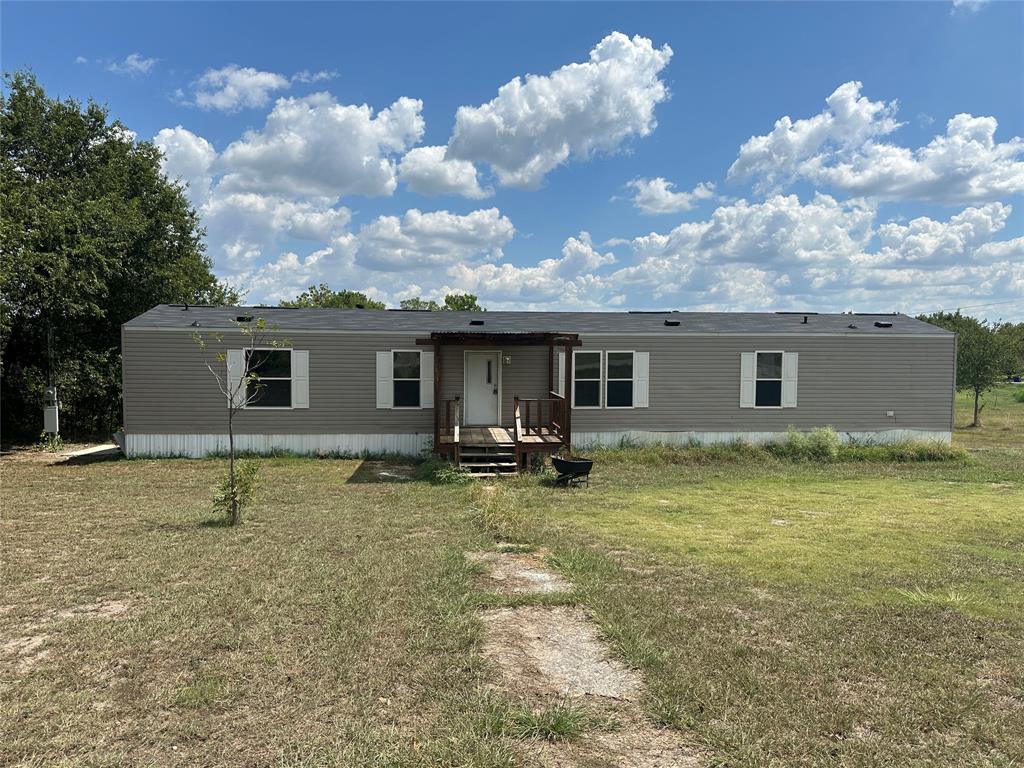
(437, 397)
(568, 396)
(551, 367)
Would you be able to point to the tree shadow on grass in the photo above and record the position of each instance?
(376, 471)
(112, 454)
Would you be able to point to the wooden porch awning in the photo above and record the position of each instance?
(501, 339)
(548, 339)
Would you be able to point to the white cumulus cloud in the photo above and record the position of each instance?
(964, 165)
(231, 88)
(419, 240)
(848, 120)
(134, 64)
(569, 280)
(659, 196)
(316, 146)
(306, 76)
(824, 254)
(188, 158)
(535, 124)
(418, 245)
(841, 148)
(427, 171)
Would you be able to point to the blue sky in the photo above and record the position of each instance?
(642, 168)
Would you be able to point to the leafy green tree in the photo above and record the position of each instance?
(321, 296)
(92, 234)
(420, 304)
(462, 302)
(981, 356)
(1011, 336)
(453, 302)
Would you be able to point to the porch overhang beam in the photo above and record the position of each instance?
(460, 339)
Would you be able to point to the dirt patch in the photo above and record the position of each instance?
(544, 652)
(25, 651)
(104, 609)
(634, 744)
(517, 574)
(555, 651)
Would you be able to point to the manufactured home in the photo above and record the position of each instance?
(490, 389)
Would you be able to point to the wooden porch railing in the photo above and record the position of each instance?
(451, 421)
(539, 416)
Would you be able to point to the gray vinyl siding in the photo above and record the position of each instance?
(848, 382)
(167, 388)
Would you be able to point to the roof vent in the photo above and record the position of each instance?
(851, 325)
(805, 320)
(476, 322)
(671, 322)
(244, 318)
(883, 324)
(195, 323)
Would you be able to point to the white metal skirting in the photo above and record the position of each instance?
(196, 446)
(615, 438)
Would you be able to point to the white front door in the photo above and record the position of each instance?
(483, 370)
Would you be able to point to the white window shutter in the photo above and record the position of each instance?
(236, 370)
(426, 379)
(748, 369)
(385, 382)
(641, 377)
(300, 378)
(789, 369)
(560, 374)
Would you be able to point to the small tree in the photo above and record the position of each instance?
(981, 355)
(238, 391)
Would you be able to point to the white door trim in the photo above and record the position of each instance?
(465, 383)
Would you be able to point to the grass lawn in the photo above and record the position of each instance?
(782, 614)
(1002, 425)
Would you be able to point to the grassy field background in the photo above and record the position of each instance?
(782, 614)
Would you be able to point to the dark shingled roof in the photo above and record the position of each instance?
(653, 323)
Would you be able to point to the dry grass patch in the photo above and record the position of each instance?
(335, 627)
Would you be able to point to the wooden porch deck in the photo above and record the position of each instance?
(500, 436)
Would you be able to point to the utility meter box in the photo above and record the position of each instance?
(50, 417)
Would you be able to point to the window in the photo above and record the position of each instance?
(619, 386)
(406, 379)
(271, 386)
(768, 380)
(586, 377)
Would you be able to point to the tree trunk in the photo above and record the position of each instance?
(233, 509)
(977, 410)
